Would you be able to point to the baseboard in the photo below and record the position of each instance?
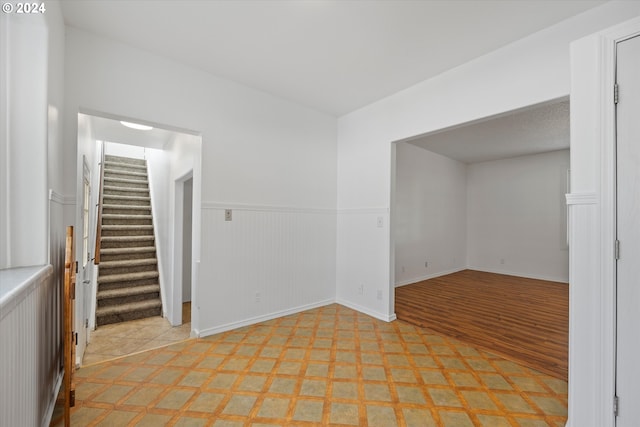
(517, 274)
(367, 311)
(428, 276)
(52, 401)
(253, 320)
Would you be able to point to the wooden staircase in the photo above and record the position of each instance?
(128, 279)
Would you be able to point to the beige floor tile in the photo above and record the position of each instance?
(455, 419)
(271, 374)
(415, 417)
(381, 416)
(240, 405)
(344, 413)
(308, 410)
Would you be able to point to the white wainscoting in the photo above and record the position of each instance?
(31, 350)
(266, 262)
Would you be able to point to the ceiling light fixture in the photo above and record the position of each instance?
(136, 125)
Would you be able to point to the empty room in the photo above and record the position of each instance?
(344, 152)
(481, 245)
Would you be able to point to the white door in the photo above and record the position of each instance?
(628, 233)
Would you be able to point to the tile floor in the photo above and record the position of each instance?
(327, 366)
(120, 339)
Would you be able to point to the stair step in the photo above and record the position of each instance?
(134, 175)
(121, 254)
(127, 263)
(127, 277)
(126, 292)
(140, 249)
(126, 209)
(115, 189)
(132, 183)
(114, 199)
(111, 164)
(126, 242)
(124, 239)
(114, 227)
(120, 159)
(129, 311)
(124, 217)
(127, 198)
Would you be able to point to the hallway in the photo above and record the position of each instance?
(123, 339)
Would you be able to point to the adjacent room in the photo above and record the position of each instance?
(480, 234)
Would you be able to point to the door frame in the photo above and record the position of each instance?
(178, 227)
(593, 228)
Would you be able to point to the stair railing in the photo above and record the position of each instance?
(96, 258)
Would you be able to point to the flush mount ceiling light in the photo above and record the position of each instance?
(136, 125)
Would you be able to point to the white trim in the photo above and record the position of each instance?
(253, 320)
(429, 276)
(56, 197)
(484, 270)
(264, 208)
(367, 311)
(582, 198)
(158, 243)
(518, 274)
(54, 397)
(358, 211)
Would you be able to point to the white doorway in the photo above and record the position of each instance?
(183, 248)
(628, 231)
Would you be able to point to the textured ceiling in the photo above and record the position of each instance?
(333, 56)
(534, 130)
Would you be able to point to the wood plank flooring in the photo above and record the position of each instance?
(524, 320)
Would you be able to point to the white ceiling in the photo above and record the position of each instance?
(110, 130)
(534, 130)
(331, 55)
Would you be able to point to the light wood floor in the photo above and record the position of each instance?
(524, 320)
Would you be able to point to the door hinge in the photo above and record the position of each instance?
(616, 93)
(86, 323)
(616, 249)
(616, 406)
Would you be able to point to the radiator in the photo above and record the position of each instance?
(30, 345)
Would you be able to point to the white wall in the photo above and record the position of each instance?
(530, 71)
(32, 204)
(270, 157)
(23, 140)
(505, 216)
(124, 150)
(184, 153)
(430, 217)
(517, 216)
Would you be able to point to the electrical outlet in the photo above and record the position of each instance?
(403, 269)
(426, 264)
(257, 296)
(501, 260)
(380, 222)
(227, 215)
(361, 290)
(379, 294)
